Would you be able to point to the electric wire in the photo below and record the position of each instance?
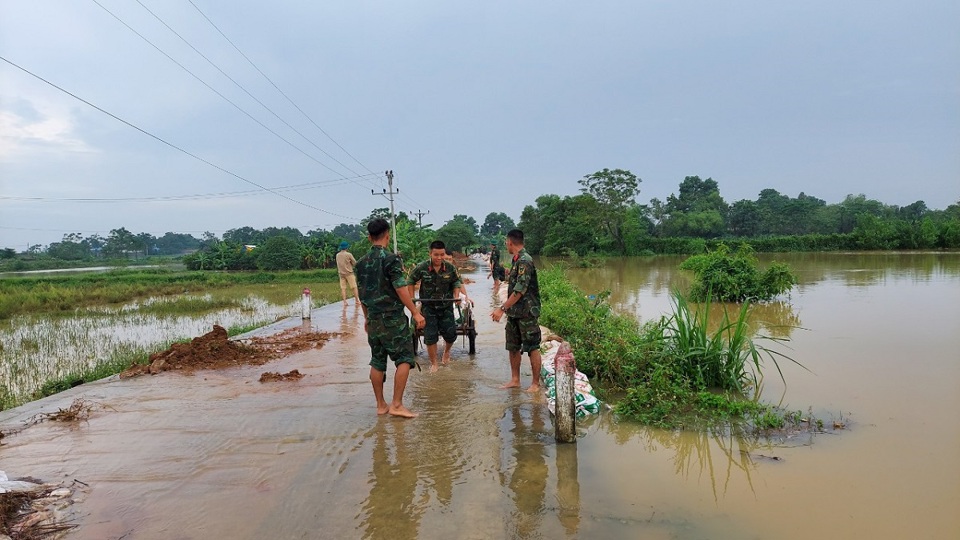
(171, 145)
(284, 94)
(167, 198)
(215, 91)
(241, 87)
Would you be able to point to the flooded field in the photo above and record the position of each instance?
(219, 454)
(37, 349)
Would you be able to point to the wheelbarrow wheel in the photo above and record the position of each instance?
(472, 335)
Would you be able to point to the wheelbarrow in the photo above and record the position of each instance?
(466, 324)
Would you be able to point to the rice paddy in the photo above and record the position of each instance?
(42, 354)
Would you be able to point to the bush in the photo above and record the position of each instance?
(735, 277)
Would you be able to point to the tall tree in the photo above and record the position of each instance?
(458, 233)
(698, 210)
(615, 192)
(496, 224)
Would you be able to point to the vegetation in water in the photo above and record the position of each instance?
(734, 276)
(673, 371)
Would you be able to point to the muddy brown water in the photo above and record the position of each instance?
(220, 455)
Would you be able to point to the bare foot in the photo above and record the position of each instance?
(382, 409)
(445, 360)
(402, 412)
(533, 388)
(433, 368)
(511, 384)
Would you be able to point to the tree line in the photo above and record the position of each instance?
(606, 218)
(248, 248)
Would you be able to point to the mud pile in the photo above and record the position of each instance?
(214, 350)
(272, 376)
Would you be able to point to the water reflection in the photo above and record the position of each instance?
(348, 322)
(568, 488)
(390, 510)
(524, 470)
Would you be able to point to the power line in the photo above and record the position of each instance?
(277, 87)
(215, 91)
(238, 85)
(171, 145)
(203, 196)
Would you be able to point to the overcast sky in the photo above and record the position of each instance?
(477, 107)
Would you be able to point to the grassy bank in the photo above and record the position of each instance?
(672, 372)
(58, 294)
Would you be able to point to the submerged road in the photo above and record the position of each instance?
(220, 455)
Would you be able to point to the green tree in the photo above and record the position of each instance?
(279, 252)
(744, 218)
(119, 242)
(615, 192)
(698, 210)
(457, 234)
(243, 236)
(496, 225)
(72, 248)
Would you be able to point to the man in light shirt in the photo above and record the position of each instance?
(345, 265)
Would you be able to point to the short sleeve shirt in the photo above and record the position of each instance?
(523, 280)
(345, 263)
(436, 285)
(379, 275)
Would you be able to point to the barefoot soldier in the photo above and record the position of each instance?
(440, 285)
(523, 311)
(383, 295)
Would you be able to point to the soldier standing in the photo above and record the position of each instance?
(383, 295)
(496, 269)
(523, 313)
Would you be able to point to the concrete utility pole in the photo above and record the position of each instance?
(388, 194)
(420, 215)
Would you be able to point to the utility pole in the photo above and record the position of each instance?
(389, 195)
(420, 215)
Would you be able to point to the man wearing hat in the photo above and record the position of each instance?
(345, 266)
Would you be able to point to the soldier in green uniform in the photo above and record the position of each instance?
(496, 269)
(523, 312)
(383, 295)
(439, 280)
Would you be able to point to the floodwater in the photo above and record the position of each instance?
(219, 454)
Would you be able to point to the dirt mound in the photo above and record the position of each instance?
(270, 376)
(214, 350)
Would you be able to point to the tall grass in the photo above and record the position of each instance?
(726, 359)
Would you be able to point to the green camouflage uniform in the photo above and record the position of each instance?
(379, 275)
(498, 271)
(436, 286)
(523, 318)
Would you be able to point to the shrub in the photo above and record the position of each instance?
(735, 277)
